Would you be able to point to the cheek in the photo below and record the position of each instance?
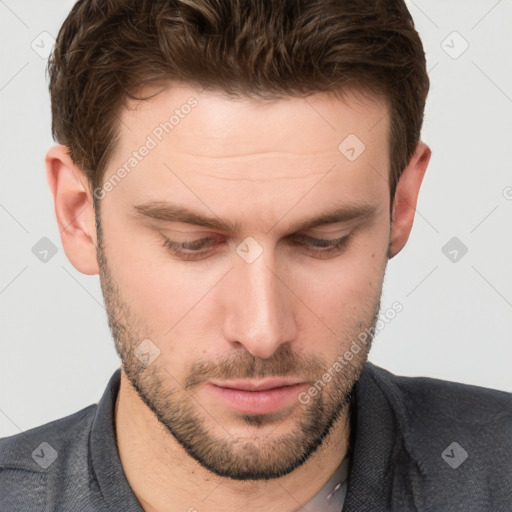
(158, 290)
(345, 290)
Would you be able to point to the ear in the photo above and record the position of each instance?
(73, 208)
(406, 197)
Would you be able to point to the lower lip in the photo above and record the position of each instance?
(258, 402)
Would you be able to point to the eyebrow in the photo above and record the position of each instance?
(169, 212)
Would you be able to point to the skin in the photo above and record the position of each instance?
(291, 312)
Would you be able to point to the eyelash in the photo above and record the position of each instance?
(320, 246)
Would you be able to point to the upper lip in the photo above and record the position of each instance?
(256, 384)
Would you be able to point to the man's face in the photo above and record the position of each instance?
(258, 299)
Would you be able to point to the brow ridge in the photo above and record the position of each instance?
(169, 212)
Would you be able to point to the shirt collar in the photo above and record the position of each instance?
(378, 446)
(106, 462)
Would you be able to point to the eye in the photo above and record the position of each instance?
(319, 247)
(189, 250)
(202, 247)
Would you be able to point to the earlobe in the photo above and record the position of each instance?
(73, 209)
(406, 198)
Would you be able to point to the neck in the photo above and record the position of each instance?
(164, 477)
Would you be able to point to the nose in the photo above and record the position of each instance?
(259, 308)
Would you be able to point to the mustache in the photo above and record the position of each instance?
(283, 363)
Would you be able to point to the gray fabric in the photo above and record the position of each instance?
(401, 429)
(331, 496)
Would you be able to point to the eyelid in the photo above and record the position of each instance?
(311, 239)
(188, 232)
(190, 229)
(205, 241)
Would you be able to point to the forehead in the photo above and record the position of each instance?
(230, 126)
(206, 149)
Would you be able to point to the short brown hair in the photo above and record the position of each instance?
(108, 50)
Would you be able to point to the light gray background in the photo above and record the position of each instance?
(56, 352)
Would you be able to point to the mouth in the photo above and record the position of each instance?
(257, 396)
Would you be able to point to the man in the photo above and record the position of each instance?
(239, 174)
